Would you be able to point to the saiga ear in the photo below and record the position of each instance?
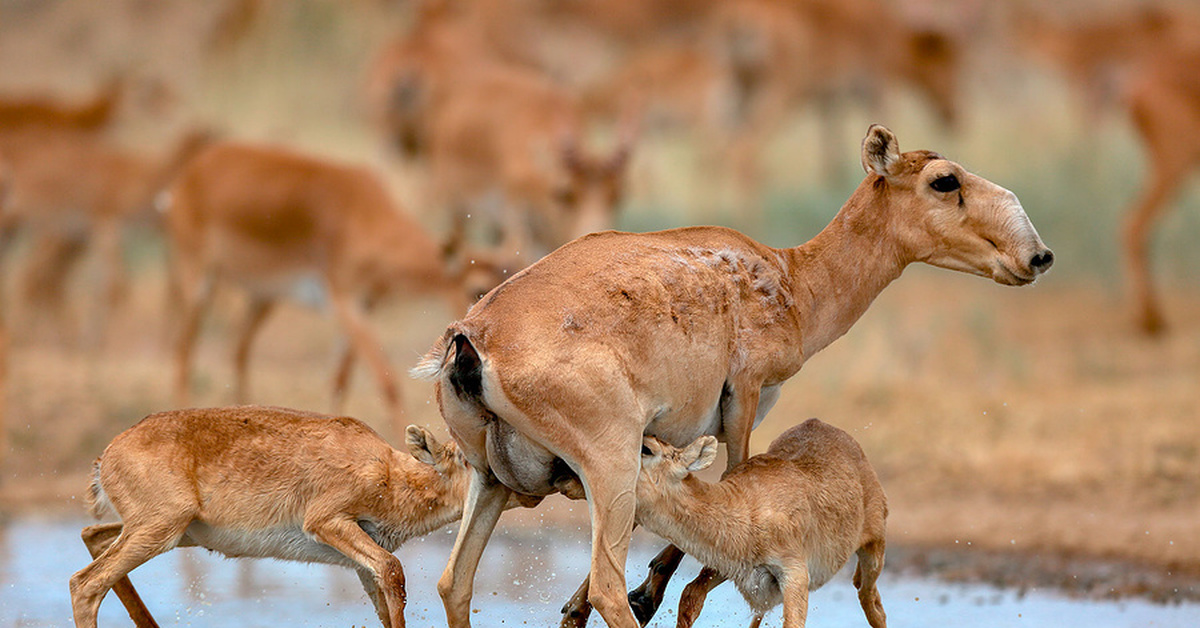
(421, 444)
(701, 453)
(880, 151)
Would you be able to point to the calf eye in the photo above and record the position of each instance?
(948, 183)
(646, 451)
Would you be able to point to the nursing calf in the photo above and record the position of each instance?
(779, 525)
(265, 482)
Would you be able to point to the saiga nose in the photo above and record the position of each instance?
(1041, 262)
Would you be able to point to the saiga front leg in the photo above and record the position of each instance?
(486, 498)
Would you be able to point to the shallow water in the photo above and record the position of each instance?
(523, 580)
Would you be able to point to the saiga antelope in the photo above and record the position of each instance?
(279, 224)
(1164, 102)
(553, 378)
(264, 482)
(41, 112)
(76, 192)
(1146, 56)
(780, 524)
(510, 144)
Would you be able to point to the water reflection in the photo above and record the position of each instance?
(524, 578)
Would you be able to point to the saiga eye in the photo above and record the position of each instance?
(948, 183)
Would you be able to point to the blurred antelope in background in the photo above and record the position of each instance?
(510, 146)
(73, 192)
(551, 381)
(780, 524)
(44, 112)
(285, 225)
(1145, 59)
(264, 482)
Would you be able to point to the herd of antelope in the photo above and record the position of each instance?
(597, 364)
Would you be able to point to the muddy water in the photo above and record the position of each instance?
(523, 580)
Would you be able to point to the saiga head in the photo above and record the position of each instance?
(948, 217)
(590, 191)
(664, 465)
(449, 462)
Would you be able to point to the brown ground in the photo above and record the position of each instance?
(1024, 436)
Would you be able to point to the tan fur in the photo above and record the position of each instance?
(520, 161)
(502, 140)
(411, 77)
(265, 482)
(75, 191)
(559, 371)
(276, 223)
(46, 113)
(779, 524)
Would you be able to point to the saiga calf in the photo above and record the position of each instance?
(780, 524)
(264, 482)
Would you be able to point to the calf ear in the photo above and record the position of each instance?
(701, 453)
(421, 444)
(880, 151)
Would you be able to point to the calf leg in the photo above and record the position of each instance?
(132, 547)
(99, 538)
(694, 594)
(646, 599)
(386, 588)
(795, 595)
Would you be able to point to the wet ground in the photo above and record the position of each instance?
(523, 580)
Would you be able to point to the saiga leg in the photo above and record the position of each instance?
(1139, 223)
(870, 563)
(694, 594)
(741, 410)
(256, 314)
(345, 368)
(486, 498)
(364, 343)
(98, 538)
(195, 292)
(387, 588)
(611, 485)
(795, 595)
(132, 547)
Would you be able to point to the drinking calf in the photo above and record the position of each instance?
(265, 482)
(780, 524)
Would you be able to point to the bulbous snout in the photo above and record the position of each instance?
(1041, 261)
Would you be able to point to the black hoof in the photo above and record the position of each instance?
(643, 606)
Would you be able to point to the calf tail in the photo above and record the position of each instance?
(98, 503)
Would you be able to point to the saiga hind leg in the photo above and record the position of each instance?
(98, 538)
